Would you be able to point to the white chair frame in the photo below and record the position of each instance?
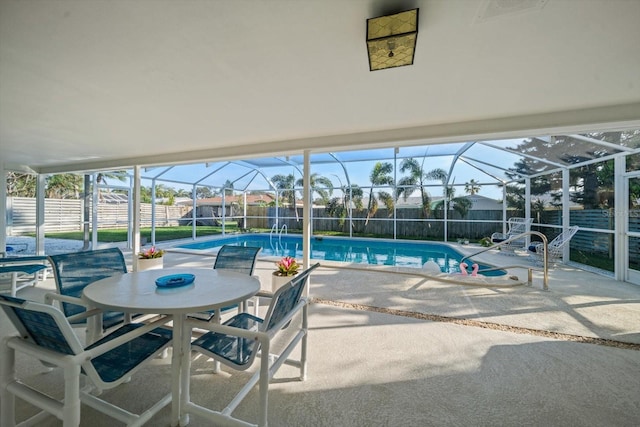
(33, 267)
(555, 247)
(516, 226)
(269, 363)
(75, 367)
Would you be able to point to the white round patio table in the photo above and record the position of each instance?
(137, 292)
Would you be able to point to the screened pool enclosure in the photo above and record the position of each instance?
(460, 191)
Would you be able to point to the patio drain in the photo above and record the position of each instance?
(479, 324)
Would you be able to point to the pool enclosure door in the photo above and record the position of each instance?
(633, 230)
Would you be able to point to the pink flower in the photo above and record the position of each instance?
(287, 266)
(152, 252)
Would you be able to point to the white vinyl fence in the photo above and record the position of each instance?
(67, 215)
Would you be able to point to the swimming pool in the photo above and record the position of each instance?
(400, 253)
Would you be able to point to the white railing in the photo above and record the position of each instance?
(545, 261)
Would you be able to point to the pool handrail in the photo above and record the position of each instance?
(545, 262)
(284, 230)
(274, 229)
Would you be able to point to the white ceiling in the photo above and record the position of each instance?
(107, 84)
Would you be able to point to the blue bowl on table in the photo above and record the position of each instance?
(175, 280)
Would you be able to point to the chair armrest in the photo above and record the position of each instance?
(244, 333)
(49, 357)
(51, 296)
(22, 259)
(264, 294)
(224, 329)
(84, 315)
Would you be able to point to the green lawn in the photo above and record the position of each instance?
(162, 233)
(594, 260)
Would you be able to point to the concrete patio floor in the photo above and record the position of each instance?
(387, 348)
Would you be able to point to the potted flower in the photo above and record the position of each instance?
(150, 259)
(287, 267)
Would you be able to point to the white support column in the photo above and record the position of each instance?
(445, 213)
(153, 211)
(504, 208)
(395, 191)
(527, 206)
(306, 216)
(277, 221)
(136, 215)
(4, 210)
(130, 208)
(224, 209)
(194, 210)
(40, 186)
(244, 209)
(86, 212)
(527, 197)
(95, 199)
(566, 213)
(621, 206)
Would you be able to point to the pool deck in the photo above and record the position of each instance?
(392, 348)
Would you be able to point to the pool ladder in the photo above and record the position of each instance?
(545, 264)
(274, 230)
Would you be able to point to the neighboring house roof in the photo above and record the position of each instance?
(484, 203)
(109, 197)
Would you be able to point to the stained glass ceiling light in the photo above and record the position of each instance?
(391, 40)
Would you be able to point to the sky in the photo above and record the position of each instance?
(359, 165)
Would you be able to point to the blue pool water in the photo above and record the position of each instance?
(399, 253)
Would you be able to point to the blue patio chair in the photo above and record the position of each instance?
(75, 271)
(235, 258)
(19, 266)
(45, 334)
(15, 248)
(238, 341)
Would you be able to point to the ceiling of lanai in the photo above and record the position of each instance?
(109, 84)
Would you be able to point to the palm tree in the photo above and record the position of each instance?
(163, 191)
(64, 186)
(415, 180)
(319, 184)
(472, 187)
(120, 175)
(339, 206)
(181, 192)
(380, 175)
(462, 205)
(101, 178)
(286, 185)
(145, 194)
(438, 174)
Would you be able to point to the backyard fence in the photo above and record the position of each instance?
(409, 224)
(67, 215)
